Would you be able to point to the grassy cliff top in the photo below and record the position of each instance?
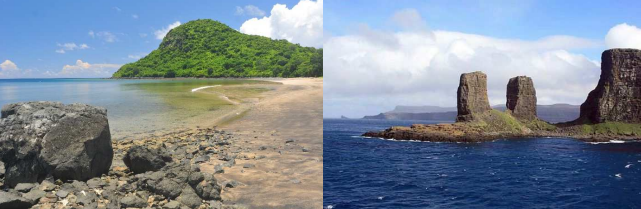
(208, 48)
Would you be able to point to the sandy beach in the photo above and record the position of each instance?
(280, 149)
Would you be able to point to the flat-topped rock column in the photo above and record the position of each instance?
(617, 96)
(521, 98)
(472, 96)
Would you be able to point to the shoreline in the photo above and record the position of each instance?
(263, 156)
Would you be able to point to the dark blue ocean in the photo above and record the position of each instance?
(517, 173)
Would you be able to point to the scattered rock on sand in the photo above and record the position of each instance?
(172, 205)
(132, 202)
(201, 159)
(189, 198)
(25, 187)
(140, 159)
(34, 195)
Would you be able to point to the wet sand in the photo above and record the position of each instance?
(279, 146)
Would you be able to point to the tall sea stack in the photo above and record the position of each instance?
(521, 98)
(472, 96)
(617, 96)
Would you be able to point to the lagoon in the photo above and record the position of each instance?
(141, 106)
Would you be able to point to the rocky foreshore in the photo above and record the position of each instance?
(612, 111)
(62, 156)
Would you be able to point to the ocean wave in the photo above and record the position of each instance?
(203, 87)
(609, 142)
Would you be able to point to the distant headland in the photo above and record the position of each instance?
(611, 111)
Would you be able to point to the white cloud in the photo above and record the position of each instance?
(142, 35)
(70, 47)
(302, 24)
(8, 69)
(84, 70)
(250, 10)
(117, 9)
(92, 34)
(623, 36)
(8, 65)
(372, 71)
(134, 16)
(107, 36)
(160, 34)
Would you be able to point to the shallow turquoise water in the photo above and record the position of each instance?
(133, 106)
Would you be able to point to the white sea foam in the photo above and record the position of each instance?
(609, 142)
(618, 175)
(628, 165)
(203, 87)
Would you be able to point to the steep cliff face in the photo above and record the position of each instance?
(521, 98)
(472, 96)
(617, 97)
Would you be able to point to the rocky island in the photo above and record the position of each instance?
(611, 111)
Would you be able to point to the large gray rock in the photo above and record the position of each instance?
(69, 142)
(521, 98)
(9, 200)
(140, 159)
(208, 189)
(617, 96)
(472, 96)
(189, 198)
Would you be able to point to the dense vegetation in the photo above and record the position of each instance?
(208, 48)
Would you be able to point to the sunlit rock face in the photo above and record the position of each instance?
(617, 96)
(521, 98)
(472, 96)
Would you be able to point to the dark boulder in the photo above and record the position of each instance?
(208, 189)
(521, 98)
(617, 96)
(140, 159)
(472, 96)
(68, 142)
(189, 198)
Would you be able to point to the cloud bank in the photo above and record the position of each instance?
(301, 24)
(372, 71)
(85, 70)
(9, 69)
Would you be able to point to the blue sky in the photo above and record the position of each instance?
(33, 33)
(379, 54)
(522, 19)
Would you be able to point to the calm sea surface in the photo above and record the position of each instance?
(133, 106)
(518, 173)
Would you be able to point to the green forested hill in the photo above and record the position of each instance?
(208, 48)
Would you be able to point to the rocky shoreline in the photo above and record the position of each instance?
(612, 111)
(153, 172)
